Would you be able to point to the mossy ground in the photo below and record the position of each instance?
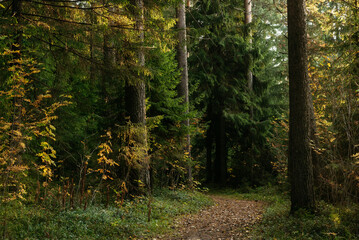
(130, 220)
(98, 222)
(329, 222)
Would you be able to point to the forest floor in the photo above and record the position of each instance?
(261, 213)
(228, 218)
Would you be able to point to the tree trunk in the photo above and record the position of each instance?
(314, 143)
(248, 20)
(209, 144)
(136, 103)
(109, 61)
(109, 74)
(183, 86)
(249, 76)
(92, 18)
(300, 161)
(220, 171)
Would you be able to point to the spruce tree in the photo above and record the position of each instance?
(300, 160)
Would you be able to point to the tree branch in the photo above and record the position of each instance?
(78, 23)
(66, 6)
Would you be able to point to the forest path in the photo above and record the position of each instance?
(228, 218)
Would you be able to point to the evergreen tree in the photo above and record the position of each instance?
(182, 64)
(300, 159)
(238, 121)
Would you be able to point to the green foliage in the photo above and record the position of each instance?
(25, 126)
(98, 222)
(329, 222)
(279, 148)
(333, 72)
(57, 156)
(220, 51)
(166, 145)
(89, 51)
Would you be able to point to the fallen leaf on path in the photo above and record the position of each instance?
(226, 219)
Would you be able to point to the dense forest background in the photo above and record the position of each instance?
(96, 104)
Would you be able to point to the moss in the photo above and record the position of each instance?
(329, 222)
(97, 222)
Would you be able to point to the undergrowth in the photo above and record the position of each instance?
(98, 222)
(130, 221)
(329, 222)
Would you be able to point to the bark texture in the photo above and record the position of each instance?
(92, 18)
(220, 164)
(109, 61)
(182, 64)
(300, 160)
(248, 20)
(209, 144)
(136, 101)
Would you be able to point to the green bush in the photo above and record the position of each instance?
(329, 222)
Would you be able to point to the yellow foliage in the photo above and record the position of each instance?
(33, 122)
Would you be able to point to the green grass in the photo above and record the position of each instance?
(329, 222)
(97, 222)
(130, 221)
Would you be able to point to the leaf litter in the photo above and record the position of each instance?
(227, 219)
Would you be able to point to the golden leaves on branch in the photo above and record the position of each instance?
(104, 160)
(25, 121)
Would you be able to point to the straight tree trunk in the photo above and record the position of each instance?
(218, 150)
(223, 151)
(209, 144)
(220, 165)
(249, 75)
(109, 73)
(314, 143)
(109, 61)
(92, 18)
(183, 66)
(248, 20)
(136, 102)
(300, 160)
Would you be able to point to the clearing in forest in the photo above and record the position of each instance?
(227, 219)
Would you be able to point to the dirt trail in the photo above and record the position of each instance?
(226, 219)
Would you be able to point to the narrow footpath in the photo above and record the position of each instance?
(227, 219)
